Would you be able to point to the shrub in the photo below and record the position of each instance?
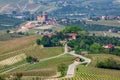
(109, 63)
(30, 59)
(2, 78)
(38, 41)
(62, 68)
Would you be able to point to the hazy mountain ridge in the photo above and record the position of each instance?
(95, 7)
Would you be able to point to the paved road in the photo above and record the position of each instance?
(71, 68)
(87, 60)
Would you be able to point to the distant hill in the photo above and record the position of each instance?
(65, 7)
(8, 22)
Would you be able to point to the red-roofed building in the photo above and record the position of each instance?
(109, 46)
(77, 59)
(42, 18)
(49, 35)
(72, 36)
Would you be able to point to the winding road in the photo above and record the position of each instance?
(71, 68)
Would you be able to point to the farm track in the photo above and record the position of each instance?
(42, 60)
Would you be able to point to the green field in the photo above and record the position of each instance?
(52, 63)
(41, 53)
(101, 57)
(47, 65)
(27, 46)
(114, 23)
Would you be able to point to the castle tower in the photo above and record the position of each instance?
(42, 18)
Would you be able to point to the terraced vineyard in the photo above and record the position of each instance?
(93, 73)
(89, 73)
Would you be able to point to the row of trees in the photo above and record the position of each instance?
(109, 63)
(49, 41)
(54, 40)
(94, 44)
(92, 27)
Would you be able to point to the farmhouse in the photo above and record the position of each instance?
(84, 53)
(49, 35)
(109, 46)
(77, 59)
(72, 36)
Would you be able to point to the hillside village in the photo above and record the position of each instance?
(59, 40)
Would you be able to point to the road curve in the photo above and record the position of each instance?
(71, 68)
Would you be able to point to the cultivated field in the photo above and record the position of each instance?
(13, 60)
(48, 64)
(90, 73)
(114, 23)
(44, 68)
(40, 53)
(93, 73)
(11, 52)
(104, 33)
(99, 57)
(17, 44)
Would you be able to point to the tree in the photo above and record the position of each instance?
(95, 47)
(20, 33)
(62, 68)
(8, 31)
(72, 29)
(60, 35)
(38, 41)
(55, 41)
(18, 76)
(109, 63)
(29, 59)
(46, 41)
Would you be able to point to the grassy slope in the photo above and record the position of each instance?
(100, 57)
(40, 53)
(17, 44)
(49, 64)
(93, 73)
(26, 45)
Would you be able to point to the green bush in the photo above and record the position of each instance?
(109, 63)
(30, 59)
(62, 68)
(38, 41)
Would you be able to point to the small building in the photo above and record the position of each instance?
(42, 18)
(49, 35)
(109, 46)
(84, 53)
(72, 36)
(77, 59)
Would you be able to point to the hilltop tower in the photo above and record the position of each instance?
(42, 18)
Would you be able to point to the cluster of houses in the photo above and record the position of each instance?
(109, 17)
(39, 22)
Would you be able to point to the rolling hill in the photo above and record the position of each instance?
(56, 7)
